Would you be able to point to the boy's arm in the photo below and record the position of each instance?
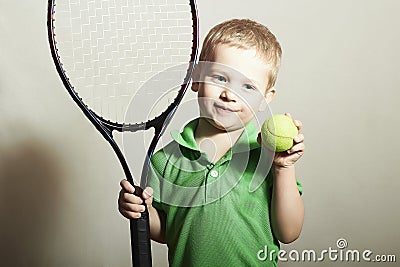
(157, 225)
(287, 209)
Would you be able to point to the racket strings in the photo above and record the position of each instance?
(109, 49)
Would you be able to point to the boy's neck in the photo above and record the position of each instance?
(213, 141)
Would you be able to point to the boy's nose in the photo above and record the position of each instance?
(228, 95)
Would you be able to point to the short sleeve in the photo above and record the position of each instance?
(157, 167)
(270, 183)
(300, 187)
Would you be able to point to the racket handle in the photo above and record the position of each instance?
(140, 238)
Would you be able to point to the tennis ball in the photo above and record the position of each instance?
(278, 131)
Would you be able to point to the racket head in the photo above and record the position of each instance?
(104, 51)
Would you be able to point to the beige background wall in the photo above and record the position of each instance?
(340, 76)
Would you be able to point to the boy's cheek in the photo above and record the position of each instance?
(263, 106)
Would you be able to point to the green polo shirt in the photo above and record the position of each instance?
(216, 213)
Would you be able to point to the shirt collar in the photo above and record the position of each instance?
(247, 140)
(186, 137)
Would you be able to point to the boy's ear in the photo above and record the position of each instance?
(195, 87)
(195, 78)
(269, 95)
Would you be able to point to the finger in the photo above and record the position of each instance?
(127, 186)
(293, 158)
(131, 215)
(130, 198)
(126, 212)
(129, 207)
(298, 124)
(300, 147)
(126, 207)
(297, 147)
(299, 138)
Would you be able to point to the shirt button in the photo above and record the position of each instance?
(214, 173)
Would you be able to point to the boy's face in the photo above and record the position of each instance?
(232, 87)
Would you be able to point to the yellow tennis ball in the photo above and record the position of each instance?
(278, 132)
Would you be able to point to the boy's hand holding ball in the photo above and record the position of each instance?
(280, 133)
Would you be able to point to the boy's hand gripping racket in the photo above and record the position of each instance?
(104, 51)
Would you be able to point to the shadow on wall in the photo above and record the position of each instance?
(29, 196)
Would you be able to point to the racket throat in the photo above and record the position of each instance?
(108, 131)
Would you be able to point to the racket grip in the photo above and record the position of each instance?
(140, 238)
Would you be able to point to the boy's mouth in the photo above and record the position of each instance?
(224, 108)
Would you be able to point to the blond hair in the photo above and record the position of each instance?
(245, 34)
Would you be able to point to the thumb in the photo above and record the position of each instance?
(147, 193)
(125, 185)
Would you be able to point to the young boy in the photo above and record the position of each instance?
(203, 208)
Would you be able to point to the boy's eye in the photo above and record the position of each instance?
(249, 87)
(219, 78)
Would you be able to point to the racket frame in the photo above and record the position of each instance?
(141, 256)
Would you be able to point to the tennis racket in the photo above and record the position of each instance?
(105, 51)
